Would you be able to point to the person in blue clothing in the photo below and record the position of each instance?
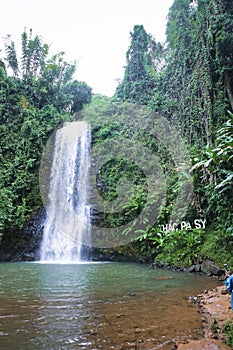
(229, 286)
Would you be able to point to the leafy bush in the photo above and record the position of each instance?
(228, 330)
(181, 247)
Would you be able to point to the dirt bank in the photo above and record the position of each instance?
(215, 309)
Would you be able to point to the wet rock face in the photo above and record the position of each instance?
(111, 255)
(206, 267)
(34, 232)
(194, 268)
(212, 270)
(23, 245)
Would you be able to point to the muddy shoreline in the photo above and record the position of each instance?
(215, 309)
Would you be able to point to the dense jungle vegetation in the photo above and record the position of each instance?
(188, 81)
(37, 94)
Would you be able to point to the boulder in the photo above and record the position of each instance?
(28, 256)
(211, 269)
(192, 268)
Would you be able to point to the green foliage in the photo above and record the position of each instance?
(34, 53)
(106, 117)
(218, 245)
(214, 193)
(39, 96)
(108, 126)
(215, 177)
(195, 86)
(139, 80)
(228, 330)
(46, 80)
(80, 94)
(193, 89)
(179, 247)
(151, 242)
(188, 80)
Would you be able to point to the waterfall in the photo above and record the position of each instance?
(67, 224)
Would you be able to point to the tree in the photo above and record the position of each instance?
(80, 94)
(224, 43)
(45, 80)
(193, 89)
(195, 85)
(37, 94)
(139, 81)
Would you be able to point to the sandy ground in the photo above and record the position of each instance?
(214, 306)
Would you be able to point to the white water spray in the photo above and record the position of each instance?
(68, 215)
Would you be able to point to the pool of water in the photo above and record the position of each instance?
(96, 306)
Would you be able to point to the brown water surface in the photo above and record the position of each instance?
(96, 306)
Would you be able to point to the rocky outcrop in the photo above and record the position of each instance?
(212, 270)
(23, 245)
(98, 254)
(206, 267)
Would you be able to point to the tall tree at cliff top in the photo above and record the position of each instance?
(139, 79)
(37, 94)
(193, 82)
(195, 86)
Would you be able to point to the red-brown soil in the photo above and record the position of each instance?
(215, 308)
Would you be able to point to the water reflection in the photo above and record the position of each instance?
(95, 306)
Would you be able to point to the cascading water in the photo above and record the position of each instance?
(67, 224)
